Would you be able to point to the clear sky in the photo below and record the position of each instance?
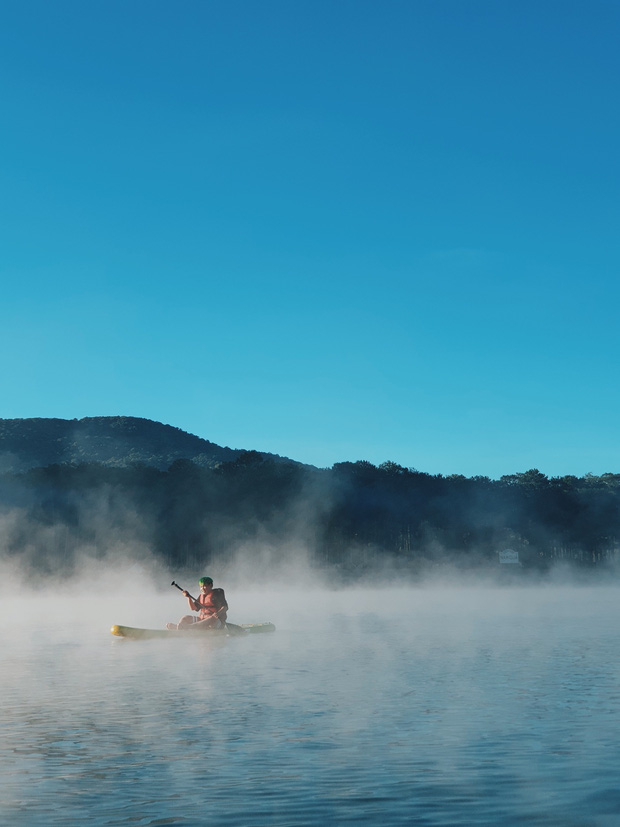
(329, 229)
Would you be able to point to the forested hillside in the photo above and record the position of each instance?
(352, 520)
(119, 441)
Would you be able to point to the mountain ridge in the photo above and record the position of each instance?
(118, 441)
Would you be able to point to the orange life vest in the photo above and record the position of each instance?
(211, 602)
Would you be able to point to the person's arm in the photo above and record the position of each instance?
(222, 607)
(193, 604)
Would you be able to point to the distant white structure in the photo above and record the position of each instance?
(508, 557)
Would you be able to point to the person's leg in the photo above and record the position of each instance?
(209, 623)
(186, 621)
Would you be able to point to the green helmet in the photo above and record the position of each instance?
(205, 580)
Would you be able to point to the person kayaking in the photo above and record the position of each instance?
(210, 604)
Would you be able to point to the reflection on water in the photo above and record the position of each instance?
(442, 707)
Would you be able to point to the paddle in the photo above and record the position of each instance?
(231, 627)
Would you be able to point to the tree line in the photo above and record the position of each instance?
(355, 518)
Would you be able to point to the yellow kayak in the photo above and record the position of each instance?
(151, 634)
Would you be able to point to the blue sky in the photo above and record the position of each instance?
(330, 230)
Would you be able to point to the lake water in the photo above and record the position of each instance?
(435, 706)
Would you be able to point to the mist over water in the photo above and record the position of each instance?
(443, 704)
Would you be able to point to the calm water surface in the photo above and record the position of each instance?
(438, 707)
